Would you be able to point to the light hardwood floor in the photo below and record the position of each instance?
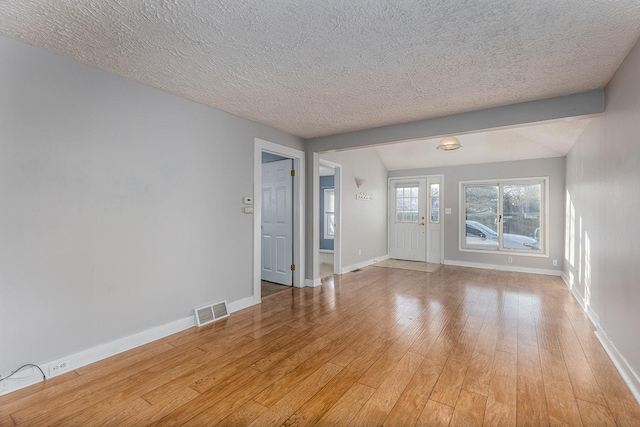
(382, 346)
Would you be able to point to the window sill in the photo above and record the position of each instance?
(505, 252)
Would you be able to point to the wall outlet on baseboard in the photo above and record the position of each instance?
(510, 260)
(4, 386)
(58, 367)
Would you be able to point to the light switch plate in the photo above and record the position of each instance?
(247, 210)
(447, 211)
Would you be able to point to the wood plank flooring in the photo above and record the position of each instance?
(381, 346)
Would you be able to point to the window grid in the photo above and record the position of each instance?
(407, 203)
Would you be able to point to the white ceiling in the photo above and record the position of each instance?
(316, 68)
(553, 139)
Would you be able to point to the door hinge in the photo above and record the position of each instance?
(293, 172)
(293, 267)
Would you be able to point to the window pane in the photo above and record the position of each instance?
(521, 220)
(329, 200)
(481, 214)
(504, 217)
(330, 226)
(434, 203)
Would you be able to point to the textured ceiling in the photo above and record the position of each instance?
(553, 139)
(316, 68)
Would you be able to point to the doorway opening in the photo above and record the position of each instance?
(278, 200)
(327, 219)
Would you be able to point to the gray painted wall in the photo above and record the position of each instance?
(603, 174)
(553, 168)
(117, 209)
(364, 222)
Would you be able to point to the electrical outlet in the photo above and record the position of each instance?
(359, 251)
(59, 367)
(510, 260)
(4, 386)
(555, 262)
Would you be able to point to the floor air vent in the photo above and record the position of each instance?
(211, 313)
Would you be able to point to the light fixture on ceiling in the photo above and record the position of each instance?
(449, 143)
(360, 181)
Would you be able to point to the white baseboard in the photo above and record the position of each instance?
(502, 267)
(313, 282)
(241, 304)
(592, 315)
(106, 350)
(364, 264)
(628, 374)
(575, 292)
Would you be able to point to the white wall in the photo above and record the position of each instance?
(552, 167)
(364, 222)
(603, 175)
(121, 206)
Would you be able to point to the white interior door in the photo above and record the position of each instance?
(277, 222)
(434, 220)
(407, 219)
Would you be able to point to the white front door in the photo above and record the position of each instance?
(434, 219)
(277, 222)
(407, 219)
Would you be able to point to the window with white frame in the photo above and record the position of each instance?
(329, 213)
(504, 216)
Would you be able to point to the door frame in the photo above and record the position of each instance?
(337, 238)
(298, 157)
(442, 215)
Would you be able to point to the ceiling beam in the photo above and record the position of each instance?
(578, 105)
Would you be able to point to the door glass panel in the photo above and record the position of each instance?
(407, 204)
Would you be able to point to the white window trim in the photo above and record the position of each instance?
(544, 251)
